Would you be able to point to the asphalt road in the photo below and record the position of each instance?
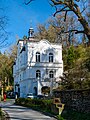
(22, 113)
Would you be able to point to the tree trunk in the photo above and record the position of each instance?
(83, 22)
(85, 25)
(74, 8)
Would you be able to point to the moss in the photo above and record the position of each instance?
(74, 115)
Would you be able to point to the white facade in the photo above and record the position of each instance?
(38, 64)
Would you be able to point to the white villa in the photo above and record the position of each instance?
(38, 65)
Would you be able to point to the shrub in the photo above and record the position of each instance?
(45, 105)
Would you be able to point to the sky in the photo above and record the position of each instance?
(21, 16)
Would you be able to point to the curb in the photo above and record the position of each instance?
(6, 115)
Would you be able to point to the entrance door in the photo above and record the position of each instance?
(35, 90)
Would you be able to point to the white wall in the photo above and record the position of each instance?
(26, 65)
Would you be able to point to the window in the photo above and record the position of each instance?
(51, 74)
(50, 57)
(20, 77)
(38, 74)
(37, 57)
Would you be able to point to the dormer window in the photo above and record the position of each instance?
(37, 57)
(38, 74)
(50, 57)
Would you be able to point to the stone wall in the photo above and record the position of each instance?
(78, 100)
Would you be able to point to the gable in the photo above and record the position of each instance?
(44, 42)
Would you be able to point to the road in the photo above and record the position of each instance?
(22, 113)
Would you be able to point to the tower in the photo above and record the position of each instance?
(30, 32)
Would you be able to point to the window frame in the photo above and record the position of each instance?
(50, 57)
(37, 56)
(38, 74)
(51, 74)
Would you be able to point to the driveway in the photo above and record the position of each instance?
(22, 113)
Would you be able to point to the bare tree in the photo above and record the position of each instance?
(60, 26)
(75, 7)
(3, 32)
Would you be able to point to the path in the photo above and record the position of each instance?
(22, 113)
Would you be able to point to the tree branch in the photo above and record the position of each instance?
(3, 28)
(83, 9)
(57, 2)
(76, 7)
(57, 11)
(76, 31)
(26, 3)
(65, 16)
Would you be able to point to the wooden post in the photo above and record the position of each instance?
(2, 91)
(59, 105)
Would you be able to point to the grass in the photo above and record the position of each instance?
(59, 117)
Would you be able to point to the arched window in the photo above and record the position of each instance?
(37, 57)
(50, 57)
(51, 74)
(38, 74)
